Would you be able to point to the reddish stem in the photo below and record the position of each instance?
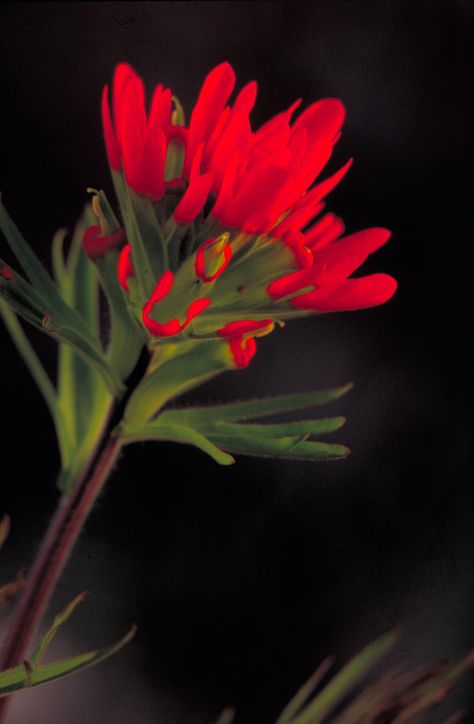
(52, 556)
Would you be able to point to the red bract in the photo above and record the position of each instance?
(234, 213)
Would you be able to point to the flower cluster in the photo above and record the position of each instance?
(225, 234)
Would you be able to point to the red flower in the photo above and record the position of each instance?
(232, 209)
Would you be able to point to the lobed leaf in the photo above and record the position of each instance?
(264, 407)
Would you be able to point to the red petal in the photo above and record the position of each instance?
(245, 326)
(226, 193)
(96, 245)
(200, 262)
(243, 350)
(323, 118)
(235, 137)
(328, 229)
(351, 294)
(342, 258)
(325, 187)
(160, 109)
(193, 200)
(152, 177)
(125, 269)
(291, 283)
(245, 101)
(257, 204)
(214, 94)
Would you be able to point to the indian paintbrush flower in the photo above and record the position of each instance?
(225, 233)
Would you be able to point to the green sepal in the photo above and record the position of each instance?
(255, 409)
(31, 673)
(143, 231)
(185, 365)
(155, 430)
(126, 337)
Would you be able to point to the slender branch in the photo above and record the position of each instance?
(54, 552)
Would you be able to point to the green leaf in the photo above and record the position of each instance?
(87, 351)
(30, 263)
(126, 337)
(198, 362)
(176, 433)
(53, 303)
(22, 677)
(32, 673)
(142, 227)
(342, 684)
(300, 427)
(291, 447)
(264, 407)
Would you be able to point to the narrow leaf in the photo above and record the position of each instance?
(345, 680)
(59, 621)
(254, 409)
(294, 448)
(175, 433)
(30, 263)
(301, 427)
(303, 694)
(23, 677)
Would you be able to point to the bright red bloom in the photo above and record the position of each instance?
(125, 269)
(174, 326)
(96, 245)
(234, 208)
(243, 350)
(220, 255)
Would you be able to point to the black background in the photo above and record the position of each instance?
(242, 579)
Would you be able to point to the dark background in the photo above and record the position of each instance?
(242, 580)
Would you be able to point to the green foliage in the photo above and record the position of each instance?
(33, 672)
(391, 697)
(215, 430)
(41, 304)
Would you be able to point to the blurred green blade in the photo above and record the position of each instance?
(21, 296)
(23, 677)
(303, 694)
(345, 680)
(174, 433)
(87, 351)
(30, 263)
(253, 409)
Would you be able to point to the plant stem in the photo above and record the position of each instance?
(52, 556)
